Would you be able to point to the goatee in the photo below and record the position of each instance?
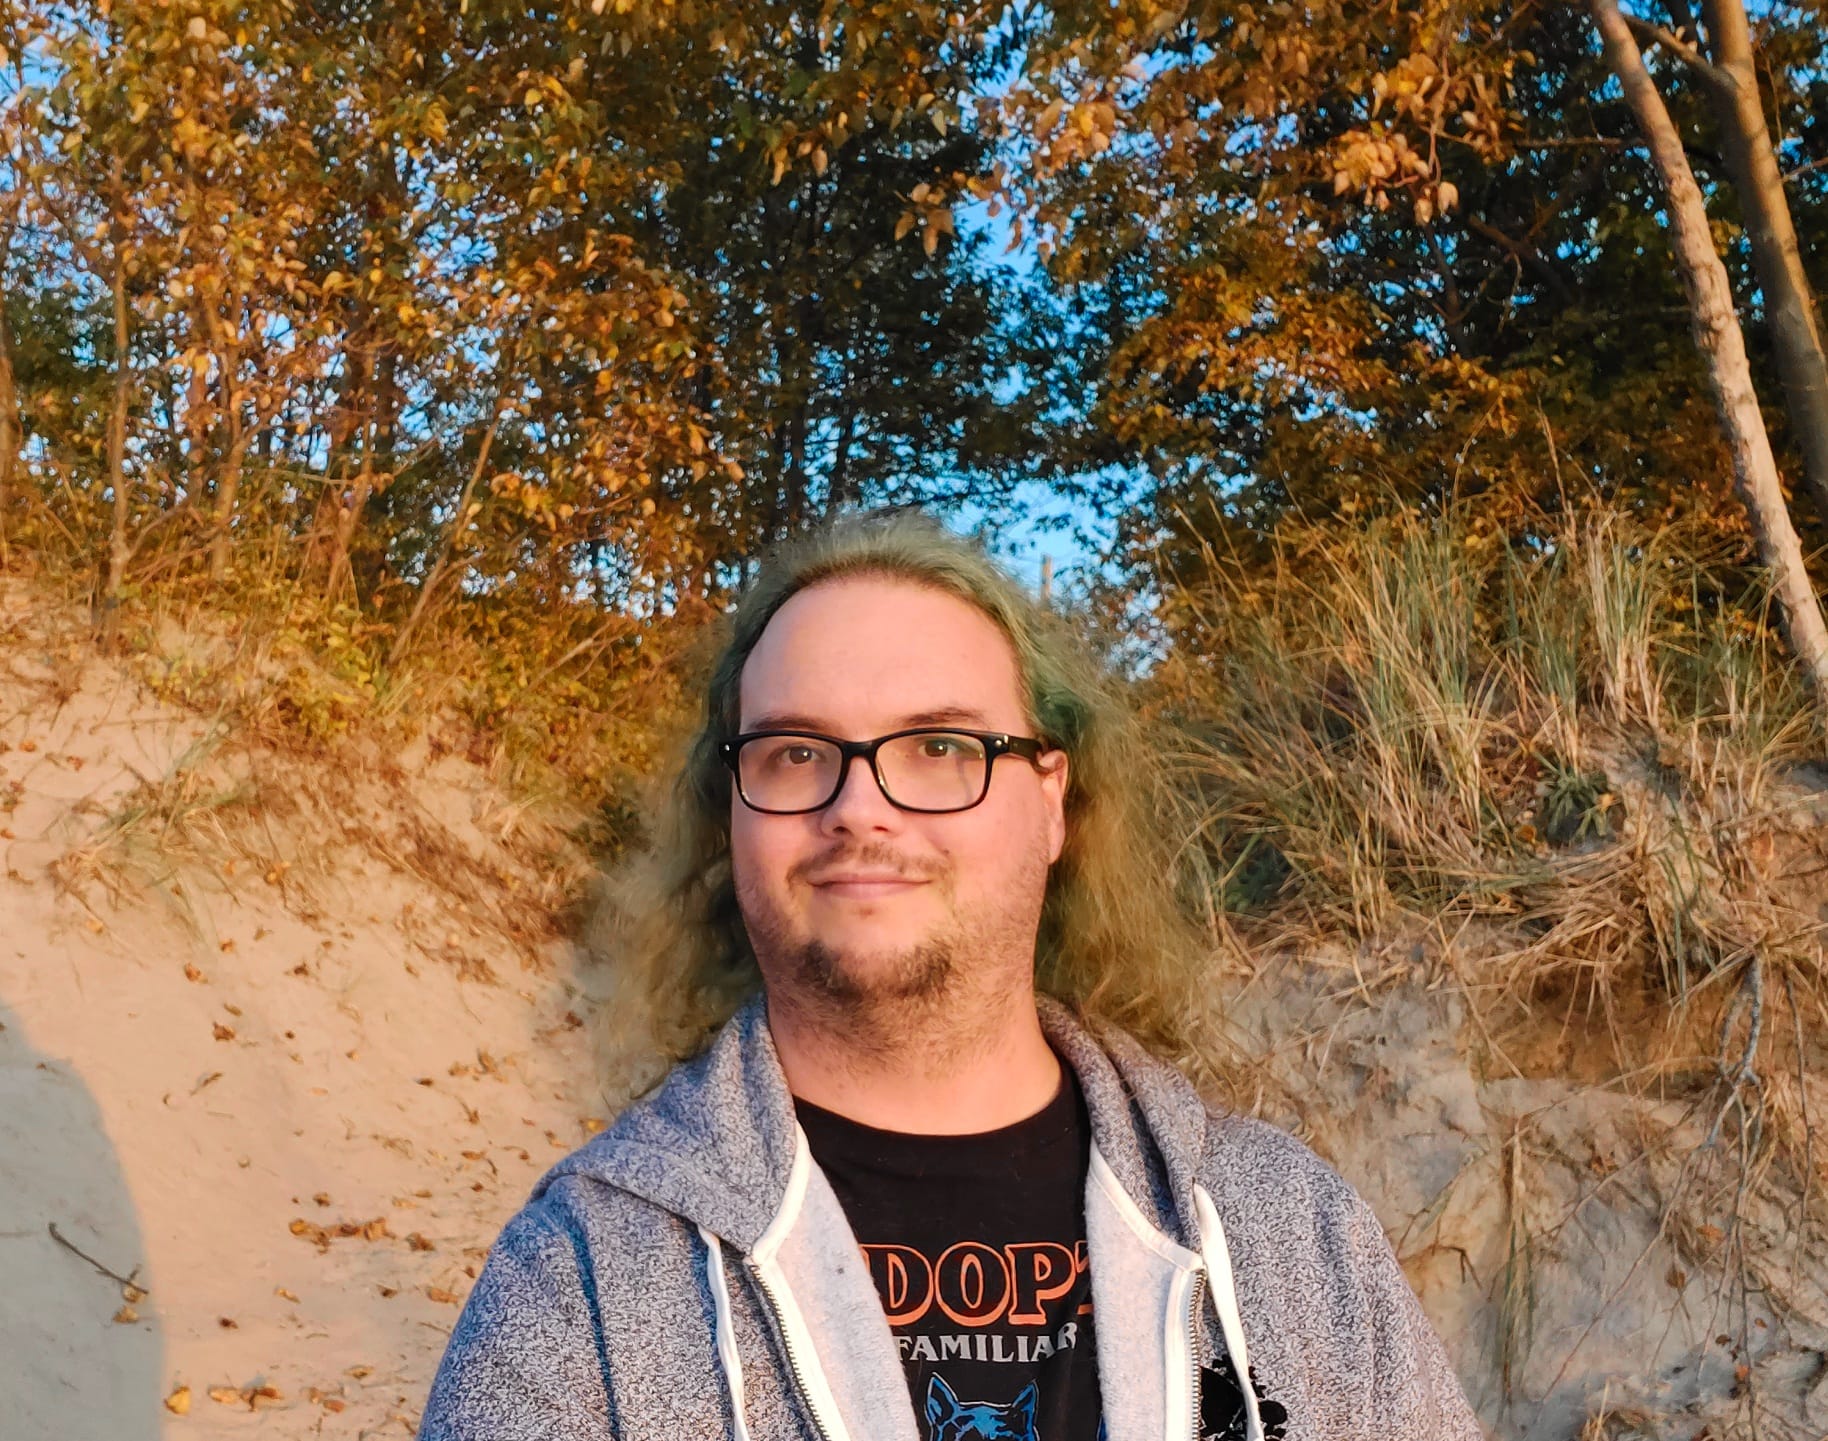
(921, 974)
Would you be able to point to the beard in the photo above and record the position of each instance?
(879, 1001)
(919, 973)
(873, 993)
(932, 993)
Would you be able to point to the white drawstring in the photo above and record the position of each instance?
(1225, 1302)
(726, 1330)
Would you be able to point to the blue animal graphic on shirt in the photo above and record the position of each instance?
(950, 1419)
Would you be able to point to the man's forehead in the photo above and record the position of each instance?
(894, 649)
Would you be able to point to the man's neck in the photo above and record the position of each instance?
(937, 1079)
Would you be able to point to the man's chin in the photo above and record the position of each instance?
(871, 975)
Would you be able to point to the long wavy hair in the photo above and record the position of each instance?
(1113, 942)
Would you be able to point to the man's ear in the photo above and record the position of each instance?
(1056, 779)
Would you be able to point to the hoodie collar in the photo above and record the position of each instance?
(714, 1142)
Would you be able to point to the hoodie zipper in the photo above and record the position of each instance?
(787, 1349)
(1193, 1345)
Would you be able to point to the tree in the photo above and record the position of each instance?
(1370, 256)
(877, 354)
(1729, 76)
(1718, 337)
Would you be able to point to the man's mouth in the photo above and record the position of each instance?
(864, 885)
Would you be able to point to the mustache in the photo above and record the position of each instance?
(885, 859)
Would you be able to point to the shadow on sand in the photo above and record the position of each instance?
(67, 1368)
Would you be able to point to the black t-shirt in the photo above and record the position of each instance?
(977, 1247)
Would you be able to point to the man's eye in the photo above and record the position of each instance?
(940, 748)
(798, 755)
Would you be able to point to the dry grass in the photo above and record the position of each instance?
(567, 703)
(1588, 774)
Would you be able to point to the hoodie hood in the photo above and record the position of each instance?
(715, 1143)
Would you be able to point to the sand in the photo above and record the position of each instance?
(218, 1053)
(285, 1037)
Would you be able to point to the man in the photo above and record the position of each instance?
(911, 1178)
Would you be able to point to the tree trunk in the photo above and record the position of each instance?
(119, 552)
(228, 489)
(1717, 335)
(1796, 336)
(348, 517)
(12, 424)
(349, 508)
(448, 543)
(234, 433)
(839, 493)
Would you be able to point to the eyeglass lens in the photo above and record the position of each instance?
(931, 771)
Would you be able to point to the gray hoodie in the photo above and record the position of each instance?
(690, 1274)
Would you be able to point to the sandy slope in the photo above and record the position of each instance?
(314, 1015)
(249, 1002)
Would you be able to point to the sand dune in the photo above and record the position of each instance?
(285, 1038)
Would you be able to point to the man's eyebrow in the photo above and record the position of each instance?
(801, 721)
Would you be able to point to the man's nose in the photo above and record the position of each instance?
(860, 804)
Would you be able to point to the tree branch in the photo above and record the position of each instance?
(1648, 34)
(1524, 254)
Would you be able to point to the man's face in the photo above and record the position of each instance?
(862, 904)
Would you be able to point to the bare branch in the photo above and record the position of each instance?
(1522, 252)
(1648, 34)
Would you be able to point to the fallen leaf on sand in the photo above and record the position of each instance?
(131, 1293)
(333, 1404)
(126, 1316)
(282, 1291)
(223, 1033)
(226, 1396)
(419, 1243)
(322, 1236)
(442, 1296)
(178, 1403)
(359, 1372)
(191, 973)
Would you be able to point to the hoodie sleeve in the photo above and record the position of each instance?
(525, 1361)
(1346, 1350)
(1416, 1395)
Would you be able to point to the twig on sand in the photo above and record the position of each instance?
(75, 1250)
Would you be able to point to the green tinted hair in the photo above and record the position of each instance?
(1113, 943)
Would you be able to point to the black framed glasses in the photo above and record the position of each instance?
(929, 770)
